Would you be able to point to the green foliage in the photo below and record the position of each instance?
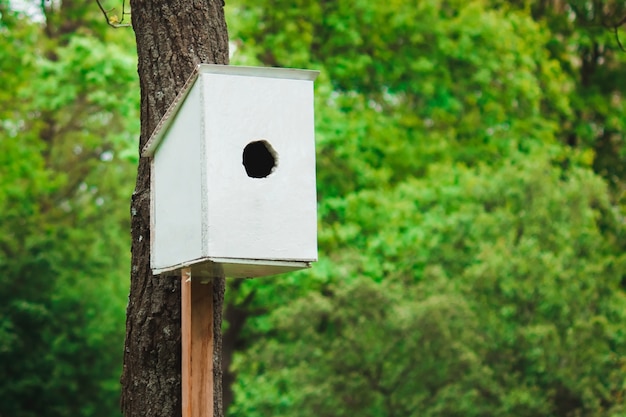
(471, 249)
(585, 45)
(405, 86)
(487, 302)
(472, 241)
(68, 113)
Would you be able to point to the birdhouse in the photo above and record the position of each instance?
(233, 174)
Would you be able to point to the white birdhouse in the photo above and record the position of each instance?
(233, 174)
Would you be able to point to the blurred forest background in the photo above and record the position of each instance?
(472, 211)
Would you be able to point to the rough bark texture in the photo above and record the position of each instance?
(173, 36)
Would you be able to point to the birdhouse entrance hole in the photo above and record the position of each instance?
(259, 159)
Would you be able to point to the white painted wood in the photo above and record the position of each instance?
(176, 178)
(247, 226)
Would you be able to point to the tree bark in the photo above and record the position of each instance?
(173, 37)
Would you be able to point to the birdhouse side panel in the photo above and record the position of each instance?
(177, 188)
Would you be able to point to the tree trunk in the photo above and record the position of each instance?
(173, 36)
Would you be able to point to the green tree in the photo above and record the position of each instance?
(453, 210)
(475, 296)
(585, 40)
(67, 118)
(411, 84)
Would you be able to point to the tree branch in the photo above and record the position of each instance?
(112, 20)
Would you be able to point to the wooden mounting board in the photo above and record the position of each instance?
(197, 346)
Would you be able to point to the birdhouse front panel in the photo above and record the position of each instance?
(233, 173)
(261, 168)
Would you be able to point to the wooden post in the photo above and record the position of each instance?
(197, 347)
